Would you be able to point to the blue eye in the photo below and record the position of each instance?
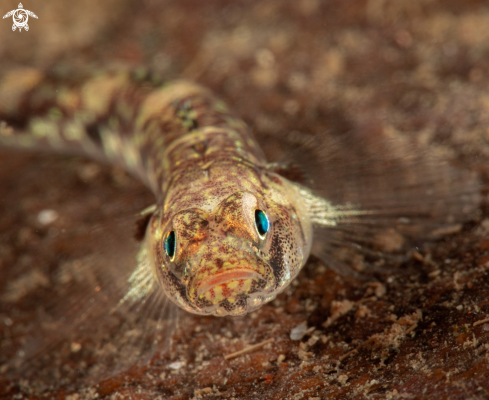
(170, 245)
(262, 223)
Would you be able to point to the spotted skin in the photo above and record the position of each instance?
(204, 167)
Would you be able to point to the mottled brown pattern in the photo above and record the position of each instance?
(123, 118)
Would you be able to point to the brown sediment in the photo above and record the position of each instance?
(395, 68)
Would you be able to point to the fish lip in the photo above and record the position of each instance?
(227, 276)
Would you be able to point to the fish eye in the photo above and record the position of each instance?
(262, 223)
(170, 245)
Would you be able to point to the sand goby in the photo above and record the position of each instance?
(230, 229)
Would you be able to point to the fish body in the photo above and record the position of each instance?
(210, 180)
(229, 229)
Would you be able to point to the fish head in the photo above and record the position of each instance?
(232, 258)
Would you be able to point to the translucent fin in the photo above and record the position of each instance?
(105, 312)
(371, 195)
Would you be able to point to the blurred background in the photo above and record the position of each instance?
(380, 67)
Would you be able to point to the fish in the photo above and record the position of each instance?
(230, 227)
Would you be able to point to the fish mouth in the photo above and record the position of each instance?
(233, 279)
(234, 289)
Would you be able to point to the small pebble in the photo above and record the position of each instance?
(176, 365)
(75, 347)
(46, 217)
(299, 331)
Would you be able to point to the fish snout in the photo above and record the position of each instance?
(232, 283)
